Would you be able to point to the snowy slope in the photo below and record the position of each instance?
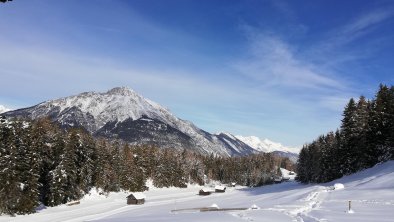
(3, 109)
(122, 113)
(371, 193)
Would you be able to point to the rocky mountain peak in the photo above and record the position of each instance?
(123, 91)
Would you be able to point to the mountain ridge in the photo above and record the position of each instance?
(122, 113)
(266, 145)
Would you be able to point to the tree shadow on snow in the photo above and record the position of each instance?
(276, 188)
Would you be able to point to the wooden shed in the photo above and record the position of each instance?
(204, 192)
(220, 189)
(278, 179)
(136, 198)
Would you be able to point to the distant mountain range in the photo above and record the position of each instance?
(121, 113)
(266, 145)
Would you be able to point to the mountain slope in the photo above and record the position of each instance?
(124, 114)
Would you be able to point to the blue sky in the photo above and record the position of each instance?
(276, 69)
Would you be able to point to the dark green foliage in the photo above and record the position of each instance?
(9, 186)
(366, 137)
(19, 176)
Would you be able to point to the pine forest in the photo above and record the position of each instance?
(364, 139)
(42, 163)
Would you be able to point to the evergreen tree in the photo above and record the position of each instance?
(350, 134)
(85, 156)
(28, 163)
(380, 127)
(68, 167)
(98, 177)
(390, 141)
(42, 141)
(362, 116)
(10, 191)
(131, 175)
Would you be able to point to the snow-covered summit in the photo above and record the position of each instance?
(3, 109)
(117, 104)
(266, 145)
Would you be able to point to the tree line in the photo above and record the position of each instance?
(41, 163)
(365, 138)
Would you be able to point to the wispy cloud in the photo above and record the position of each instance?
(332, 50)
(274, 62)
(366, 21)
(269, 90)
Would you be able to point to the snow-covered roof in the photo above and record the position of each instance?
(339, 186)
(138, 195)
(218, 187)
(206, 190)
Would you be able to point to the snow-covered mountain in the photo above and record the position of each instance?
(3, 109)
(124, 114)
(268, 146)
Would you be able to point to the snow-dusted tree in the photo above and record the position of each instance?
(133, 175)
(28, 163)
(196, 169)
(104, 176)
(19, 176)
(9, 186)
(43, 135)
(85, 157)
(68, 167)
(58, 181)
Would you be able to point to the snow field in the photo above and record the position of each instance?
(371, 192)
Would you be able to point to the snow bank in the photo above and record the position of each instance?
(339, 186)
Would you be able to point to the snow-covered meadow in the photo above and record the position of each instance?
(371, 192)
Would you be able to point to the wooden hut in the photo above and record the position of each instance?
(278, 179)
(204, 192)
(220, 189)
(136, 198)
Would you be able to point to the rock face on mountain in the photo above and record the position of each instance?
(123, 114)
